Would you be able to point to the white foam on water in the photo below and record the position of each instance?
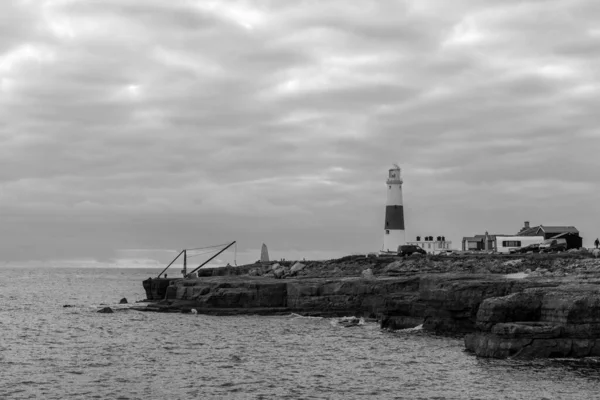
(516, 275)
(298, 316)
(415, 329)
(342, 320)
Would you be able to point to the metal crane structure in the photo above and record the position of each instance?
(185, 258)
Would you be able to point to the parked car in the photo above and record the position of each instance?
(553, 245)
(409, 249)
(532, 248)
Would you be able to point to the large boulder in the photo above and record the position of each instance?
(297, 267)
(279, 272)
(367, 274)
(512, 263)
(522, 306)
(275, 267)
(394, 268)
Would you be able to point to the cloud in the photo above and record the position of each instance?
(130, 124)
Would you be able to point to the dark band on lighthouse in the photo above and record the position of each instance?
(394, 217)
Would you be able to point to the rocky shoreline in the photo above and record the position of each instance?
(505, 306)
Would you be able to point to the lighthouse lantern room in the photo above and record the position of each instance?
(394, 235)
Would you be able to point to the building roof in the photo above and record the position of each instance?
(479, 238)
(528, 232)
(563, 235)
(559, 229)
(548, 229)
(492, 237)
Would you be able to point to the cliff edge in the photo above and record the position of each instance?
(528, 306)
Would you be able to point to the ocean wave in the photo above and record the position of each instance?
(415, 329)
(298, 316)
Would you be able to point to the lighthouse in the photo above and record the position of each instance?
(394, 212)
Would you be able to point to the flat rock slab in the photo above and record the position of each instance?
(529, 330)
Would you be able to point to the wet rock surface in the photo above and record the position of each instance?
(563, 321)
(552, 311)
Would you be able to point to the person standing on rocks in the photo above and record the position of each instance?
(597, 242)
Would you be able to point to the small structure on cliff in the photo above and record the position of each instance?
(156, 288)
(394, 235)
(432, 245)
(485, 242)
(264, 254)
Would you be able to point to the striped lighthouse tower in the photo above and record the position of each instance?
(394, 212)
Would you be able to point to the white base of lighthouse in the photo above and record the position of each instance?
(393, 239)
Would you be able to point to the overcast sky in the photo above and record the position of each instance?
(133, 127)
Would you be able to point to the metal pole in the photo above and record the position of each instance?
(184, 262)
(210, 259)
(161, 272)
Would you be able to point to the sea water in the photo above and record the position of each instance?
(48, 351)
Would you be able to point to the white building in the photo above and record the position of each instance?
(505, 243)
(432, 245)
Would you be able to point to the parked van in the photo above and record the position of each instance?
(553, 245)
